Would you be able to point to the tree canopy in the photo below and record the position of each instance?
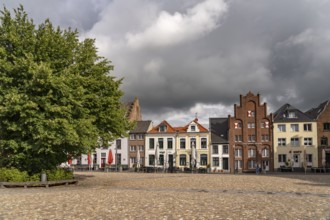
(57, 97)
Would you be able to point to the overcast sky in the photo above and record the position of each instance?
(185, 56)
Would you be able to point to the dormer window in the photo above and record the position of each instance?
(292, 115)
(162, 128)
(193, 128)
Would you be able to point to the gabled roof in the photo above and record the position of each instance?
(282, 115)
(314, 113)
(169, 129)
(219, 130)
(141, 127)
(201, 128)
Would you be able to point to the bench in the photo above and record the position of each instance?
(285, 169)
(37, 184)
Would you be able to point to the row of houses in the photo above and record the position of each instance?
(249, 138)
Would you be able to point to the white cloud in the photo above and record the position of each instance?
(171, 29)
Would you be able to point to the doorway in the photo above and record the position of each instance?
(296, 160)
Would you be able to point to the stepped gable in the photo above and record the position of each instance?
(314, 113)
(219, 130)
(133, 111)
(288, 113)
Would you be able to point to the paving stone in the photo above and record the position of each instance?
(173, 196)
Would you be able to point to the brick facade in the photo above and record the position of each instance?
(250, 135)
(324, 117)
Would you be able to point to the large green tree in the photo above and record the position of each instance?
(57, 98)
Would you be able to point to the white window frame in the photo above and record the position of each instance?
(252, 153)
(281, 128)
(294, 127)
(308, 141)
(281, 142)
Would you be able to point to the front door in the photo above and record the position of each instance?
(170, 160)
(296, 160)
(265, 165)
(102, 162)
(225, 163)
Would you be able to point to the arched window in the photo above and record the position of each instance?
(265, 152)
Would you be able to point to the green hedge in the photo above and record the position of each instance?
(59, 174)
(14, 175)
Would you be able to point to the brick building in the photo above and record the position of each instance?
(321, 115)
(250, 135)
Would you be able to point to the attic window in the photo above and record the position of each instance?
(292, 115)
(162, 128)
(193, 128)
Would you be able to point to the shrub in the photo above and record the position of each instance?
(13, 175)
(59, 174)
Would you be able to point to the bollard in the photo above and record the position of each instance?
(43, 177)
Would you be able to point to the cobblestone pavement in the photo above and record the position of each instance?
(173, 196)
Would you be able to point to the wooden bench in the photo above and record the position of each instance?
(37, 184)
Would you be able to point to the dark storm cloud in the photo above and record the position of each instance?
(195, 56)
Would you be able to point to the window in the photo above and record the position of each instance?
(151, 159)
(238, 152)
(161, 143)
(182, 143)
(215, 149)
(326, 126)
(324, 141)
(238, 138)
(308, 141)
(238, 164)
(309, 158)
(282, 158)
(294, 127)
(151, 143)
(307, 127)
(238, 125)
(132, 148)
(252, 152)
(252, 164)
(265, 137)
(262, 124)
(251, 113)
(118, 144)
(132, 136)
(169, 143)
(251, 125)
(225, 149)
(251, 138)
(203, 159)
(265, 152)
(215, 161)
(281, 141)
(294, 142)
(161, 159)
(281, 128)
(203, 143)
(193, 128)
(292, 114)
(183, 159)
(141, 148)
(132, 160)
(162, 128)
